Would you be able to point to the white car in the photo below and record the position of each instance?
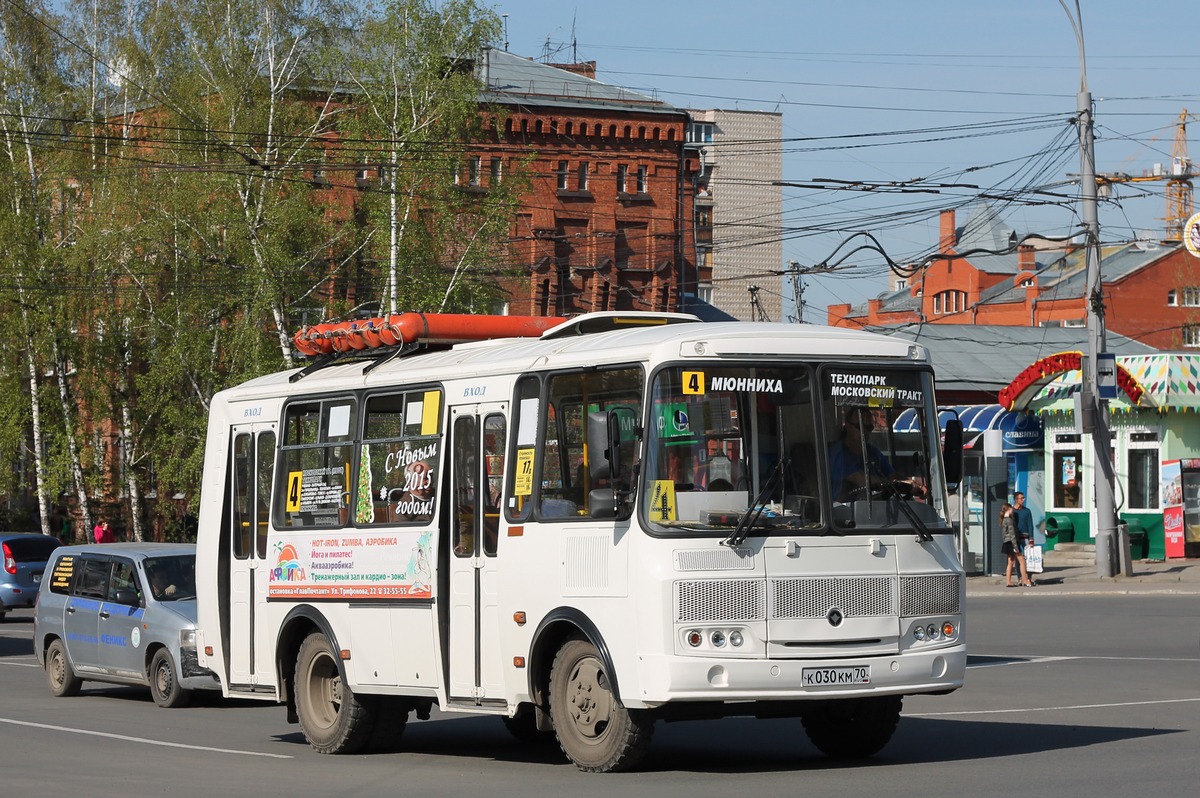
(123, 613)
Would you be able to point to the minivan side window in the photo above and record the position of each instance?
(123, 578)
(93, 580)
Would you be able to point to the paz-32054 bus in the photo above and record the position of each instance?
(608, 521)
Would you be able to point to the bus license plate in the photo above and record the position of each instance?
(822, 677)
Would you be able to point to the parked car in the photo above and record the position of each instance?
(122, 613)
(25, 557)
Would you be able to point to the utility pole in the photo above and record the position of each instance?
(797, 290)
(1094, 409)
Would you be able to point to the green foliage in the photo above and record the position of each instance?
(177, 197)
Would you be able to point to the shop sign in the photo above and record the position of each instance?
(1021, 431)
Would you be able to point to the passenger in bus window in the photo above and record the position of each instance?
(847, 467)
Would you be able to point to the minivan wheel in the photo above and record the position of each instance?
(164, 682)
(59, 673)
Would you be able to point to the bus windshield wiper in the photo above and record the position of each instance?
(890, 490)
(756, 509)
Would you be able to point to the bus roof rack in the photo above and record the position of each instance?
(605, 321)
(349, 337)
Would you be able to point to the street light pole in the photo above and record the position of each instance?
(1094, 408)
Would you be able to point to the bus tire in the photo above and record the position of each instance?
(334, 720)
(594, 728)
(164, 682)
(853, 728)
(523, 727)
(391, 719)
(59, 673)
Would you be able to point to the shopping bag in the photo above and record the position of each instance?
(1033, 559)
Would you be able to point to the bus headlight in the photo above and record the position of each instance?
(718, 639)
(736, 639)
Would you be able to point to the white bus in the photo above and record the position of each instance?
(628, 518)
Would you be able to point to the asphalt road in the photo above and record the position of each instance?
(1065, 696)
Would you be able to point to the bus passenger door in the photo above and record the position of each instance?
(251, 467)
(477, 445)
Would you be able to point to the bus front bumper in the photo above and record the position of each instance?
(664, 679)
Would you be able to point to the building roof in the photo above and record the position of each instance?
(1059, 275)
(986, 358)
(515, 80)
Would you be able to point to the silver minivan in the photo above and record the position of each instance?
(122, 613)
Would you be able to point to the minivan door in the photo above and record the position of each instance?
(252, 462)
(477, 446)
(81, 620)
(120, 623)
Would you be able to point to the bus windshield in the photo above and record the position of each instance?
(779, 449)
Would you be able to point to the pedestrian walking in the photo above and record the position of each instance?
(1012, 548)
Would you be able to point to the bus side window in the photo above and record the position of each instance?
(399, 460)
(494, 433)
(524, 466)
(315, 459)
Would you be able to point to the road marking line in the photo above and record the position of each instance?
(142, 739)
(20, 664)
(1016, 660)
(1051, 709)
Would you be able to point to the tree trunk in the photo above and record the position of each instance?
(85, 509)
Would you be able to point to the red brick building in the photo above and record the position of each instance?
(1151, 290)
(608, 222)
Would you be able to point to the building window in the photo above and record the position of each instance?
(1067, 478)
(1191, 336)
(901, 284)
(700, 132)
(1143, 479)
(1172, 298)
(1074, 322)
(474, 166)
(1191, 297)
(622, 177)
(582, 178)
(949, 302)
(497, 171)
(562, 175)
(642, 181)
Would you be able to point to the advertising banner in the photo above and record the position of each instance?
(1172, 504)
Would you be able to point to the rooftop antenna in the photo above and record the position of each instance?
(574, 41)
(505, 17)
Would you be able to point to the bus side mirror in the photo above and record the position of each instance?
(602, 465)
(952, 446)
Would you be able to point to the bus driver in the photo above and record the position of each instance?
(846, 471)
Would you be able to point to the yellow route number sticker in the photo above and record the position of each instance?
(662, 500)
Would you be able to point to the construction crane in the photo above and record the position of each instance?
(1178, 179)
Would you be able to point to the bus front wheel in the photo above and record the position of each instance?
(334, 720)
(594, 729)
(853, 728)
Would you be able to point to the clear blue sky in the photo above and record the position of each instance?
(954, 85)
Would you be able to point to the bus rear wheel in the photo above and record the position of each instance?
(853, 728)
(334, 720)
(594, 728)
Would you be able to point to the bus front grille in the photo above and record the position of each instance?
(801, 598)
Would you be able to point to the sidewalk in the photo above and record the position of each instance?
(1149, 576)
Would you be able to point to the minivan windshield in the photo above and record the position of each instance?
(779, 448)
(171, 578)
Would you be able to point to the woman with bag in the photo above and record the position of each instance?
(1012, 547)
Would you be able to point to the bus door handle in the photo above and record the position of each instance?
(105, 614)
